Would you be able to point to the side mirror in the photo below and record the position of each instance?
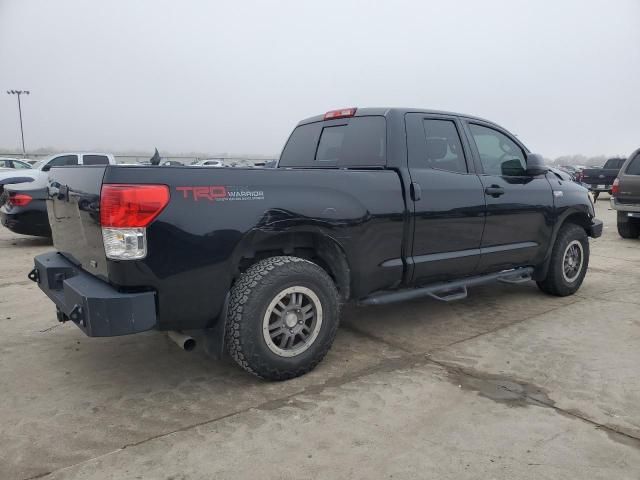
(535, 165)
(46, 168)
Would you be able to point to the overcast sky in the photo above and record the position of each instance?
(237, 76)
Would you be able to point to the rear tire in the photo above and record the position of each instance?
(282, 319)
(569, 262)
(627, 228)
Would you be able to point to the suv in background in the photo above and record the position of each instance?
(59, 160)
(626, 197)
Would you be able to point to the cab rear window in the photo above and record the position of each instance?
(95, 160)
(614, 163)
(354, 142)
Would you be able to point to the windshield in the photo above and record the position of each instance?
(19, 164)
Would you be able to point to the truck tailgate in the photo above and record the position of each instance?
(596, 176)
(73, 210)
(629, 189)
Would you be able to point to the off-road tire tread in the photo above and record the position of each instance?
(554, 283)
(628, 230)
(273, 270)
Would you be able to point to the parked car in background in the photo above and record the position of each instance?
(569, 169)
(626, 197)
(40, 168)
(12, 163)
(599, 180)
(561, 174)
(271, 163)
(209, 163)
(24, 210)
(172, 163)
(372, 205)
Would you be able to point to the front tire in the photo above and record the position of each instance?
(283, 317)
(569, 262)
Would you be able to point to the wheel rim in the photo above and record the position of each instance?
(572, 261)
(292, 321)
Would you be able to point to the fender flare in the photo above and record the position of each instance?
(328, 248)
(541, 270)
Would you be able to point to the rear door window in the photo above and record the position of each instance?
(443, 149)
(95, 160)
(634, 166)
(354, 142)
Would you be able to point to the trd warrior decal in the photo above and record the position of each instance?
(218, 193)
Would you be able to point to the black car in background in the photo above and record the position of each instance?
(24, 208)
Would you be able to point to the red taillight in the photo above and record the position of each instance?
(130, 206)
(343, 113)
(19, 199)
(615, 188)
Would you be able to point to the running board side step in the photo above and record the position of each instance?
(449, 291)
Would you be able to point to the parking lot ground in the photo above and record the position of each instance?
(508, 383)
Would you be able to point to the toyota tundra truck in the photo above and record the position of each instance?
(369, 206)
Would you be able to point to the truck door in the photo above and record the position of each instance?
(448, 200)
(520, 209)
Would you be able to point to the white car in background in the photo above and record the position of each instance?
(7, 163)
(209, 163)
(40, 168)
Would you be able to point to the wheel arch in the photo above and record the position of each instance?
(316, 246)
(574, 216)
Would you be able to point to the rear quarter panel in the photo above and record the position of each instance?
(195, 243)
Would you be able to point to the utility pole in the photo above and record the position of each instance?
(18, 93)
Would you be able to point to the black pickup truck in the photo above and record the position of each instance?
(370, 205)
(600, 180)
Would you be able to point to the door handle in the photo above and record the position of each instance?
(416, 191)
(494, 190)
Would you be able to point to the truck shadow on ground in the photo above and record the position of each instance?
(26, 242)
(367, 335)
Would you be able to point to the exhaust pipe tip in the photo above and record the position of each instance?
(185, 342)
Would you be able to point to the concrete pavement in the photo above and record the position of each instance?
(509, 383)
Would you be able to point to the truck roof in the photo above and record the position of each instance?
(386, 111)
